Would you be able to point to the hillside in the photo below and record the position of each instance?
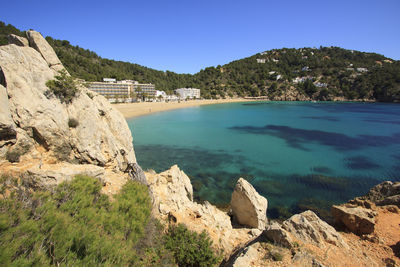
(325, 73)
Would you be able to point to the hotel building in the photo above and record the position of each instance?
(110, 88)
(188, 93)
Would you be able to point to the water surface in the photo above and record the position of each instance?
(298, 155)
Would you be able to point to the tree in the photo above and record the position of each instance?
(63, 86)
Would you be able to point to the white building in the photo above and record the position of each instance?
(260, 60)
(161, 93)
(185, 93)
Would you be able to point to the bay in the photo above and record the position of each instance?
(299, 155)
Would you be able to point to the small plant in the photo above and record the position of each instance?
(13, 156)
(90, 95)
(190, 248)
(63, 86)
(276, 256)
(73, 123)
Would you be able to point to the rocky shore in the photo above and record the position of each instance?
(49, 141)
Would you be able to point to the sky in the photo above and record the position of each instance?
(186, 36)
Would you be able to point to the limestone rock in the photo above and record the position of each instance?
(17, 40)
(357, 219)
(40, 44)
(309, 228)
(248, 207)
(101, 138)
(247, 256)
(173, 195)
(57, 173)
(385, 193)
(7, 126)
(276, 234)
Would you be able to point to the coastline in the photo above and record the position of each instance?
(132, 110)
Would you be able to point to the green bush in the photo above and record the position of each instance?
(63, 86)
(73, 123)
(13, 156)
(75, 225)
(190, 248)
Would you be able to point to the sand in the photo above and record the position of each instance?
(130, 110)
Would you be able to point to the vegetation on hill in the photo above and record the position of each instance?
(323, 73)
(76, 225)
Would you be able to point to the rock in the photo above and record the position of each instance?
(247, 256)
(17, 40)
(248, 207)
(309, 228)
(357, 219)
(99, 139)
(276, 234)
(7, 127)
(385, 193)
(40, 44)
(173, 202)
(56, 173)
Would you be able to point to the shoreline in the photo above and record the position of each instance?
(133, 110)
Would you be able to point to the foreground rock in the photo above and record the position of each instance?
(309, 228)
(173, 201)
(386, 193)
(100, 135)
(7, 126)
(357, 219)
(248, 207)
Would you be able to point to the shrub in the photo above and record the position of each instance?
(13, 156)
(73, 123)
(63, 86)
(190, 248)
(75, 225)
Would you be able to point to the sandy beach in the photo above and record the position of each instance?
(130, 110)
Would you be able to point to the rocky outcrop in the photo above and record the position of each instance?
(276, 234)
(17, 40)
(357, 219)
(309, 228)
(248, 207)
(7, 127)
(101, 136)
(386, 193)
(57, 173)
(40, 44)
(173, 201)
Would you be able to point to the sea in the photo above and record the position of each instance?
(299, 155)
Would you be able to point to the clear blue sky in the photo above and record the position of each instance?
(185, 36)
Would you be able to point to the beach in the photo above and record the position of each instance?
(130, 110)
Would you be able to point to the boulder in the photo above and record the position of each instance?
(248, 207)
(357, 219)
(17, 40)
(309, 228)
(40, 44)
(173, 201)
(7, 127)
(385, 193)
(279, 236)
(102, 136)
(248, 256)
(54, 174)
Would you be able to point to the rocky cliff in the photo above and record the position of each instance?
(302, 240)
(35, 125)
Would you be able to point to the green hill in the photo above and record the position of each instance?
(324, 73)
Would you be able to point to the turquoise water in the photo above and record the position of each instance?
(298, 155)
